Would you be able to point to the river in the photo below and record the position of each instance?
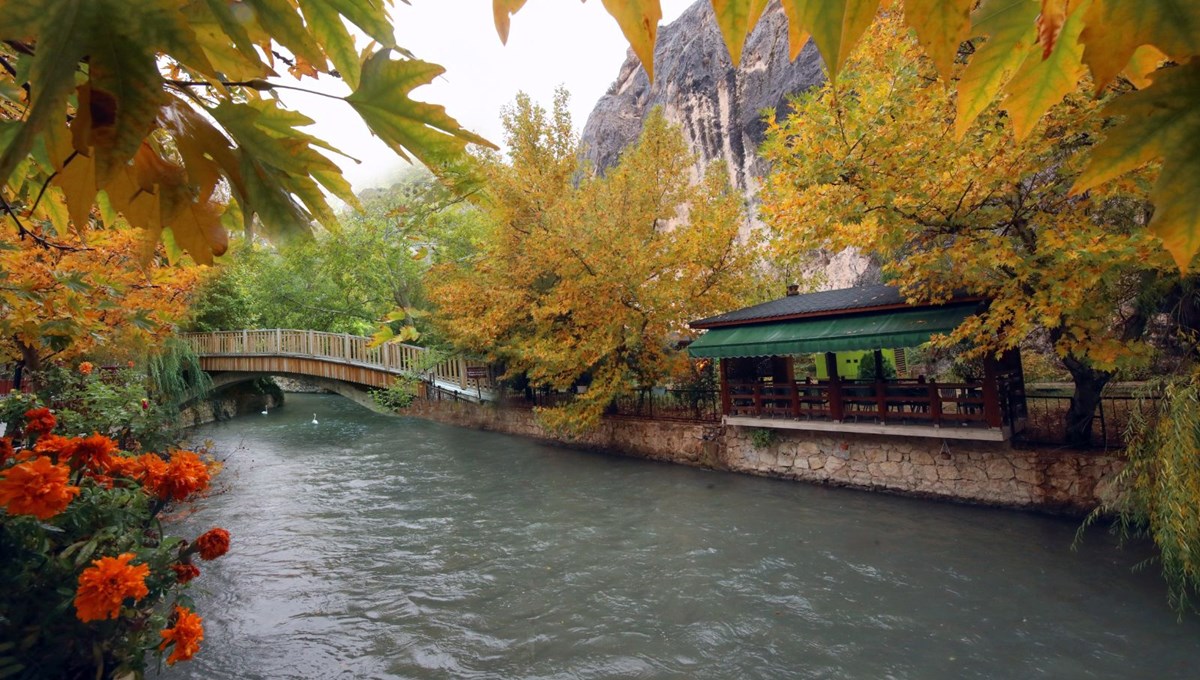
(368, 546)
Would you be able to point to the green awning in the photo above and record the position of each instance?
(905, 328)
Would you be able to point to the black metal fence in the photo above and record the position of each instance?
(666, 404)
(1046, 423)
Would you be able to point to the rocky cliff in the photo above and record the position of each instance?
(719, 107)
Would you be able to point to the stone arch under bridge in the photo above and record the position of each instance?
(357, 393)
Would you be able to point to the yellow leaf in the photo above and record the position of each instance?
(1116, 28)
(736, 18)
(1161, 121)
(1146, 59)
(639, 22)
(797, 35)
(1009, 28)
(502, 11)
(77, 180)
(941, 26)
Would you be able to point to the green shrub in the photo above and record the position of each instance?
(763, 437)
(398, 395)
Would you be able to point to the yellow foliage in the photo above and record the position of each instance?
(593, 278)
(873, 162)
(1029, 54)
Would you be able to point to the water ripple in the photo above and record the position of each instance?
(373, 547)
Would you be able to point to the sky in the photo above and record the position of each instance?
(550, 43)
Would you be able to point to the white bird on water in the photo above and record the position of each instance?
(315, 419)
(264, 411)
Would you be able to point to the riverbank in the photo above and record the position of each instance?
(236, 400)
(1058, 481)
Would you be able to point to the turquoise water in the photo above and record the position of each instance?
(376, 547)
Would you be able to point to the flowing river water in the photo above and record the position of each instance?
(368, 546)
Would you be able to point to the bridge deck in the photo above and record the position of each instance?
(348, 358)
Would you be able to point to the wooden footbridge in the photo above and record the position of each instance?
(240, 355)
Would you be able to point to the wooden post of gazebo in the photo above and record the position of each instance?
(991, 395)
(880, 387)
(835, 388)
(726, 400)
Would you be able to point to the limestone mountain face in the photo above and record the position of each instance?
(719, 107)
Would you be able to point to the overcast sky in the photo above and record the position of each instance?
(551, 43)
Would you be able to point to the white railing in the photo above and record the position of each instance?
(341, 348)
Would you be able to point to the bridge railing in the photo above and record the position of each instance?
(340, 347)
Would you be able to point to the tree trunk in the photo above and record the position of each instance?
(1089, 383)
(29, 365)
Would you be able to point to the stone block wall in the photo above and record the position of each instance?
(989, 473)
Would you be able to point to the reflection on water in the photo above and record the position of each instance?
(376, 547)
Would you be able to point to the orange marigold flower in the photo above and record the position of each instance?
(186, 635)
(126, 466)
(37, 488)
(94, 452)
(182, 476)
(86, 367)
(39, 421)
(106, 584)
(6, 450)
(54, 446)
(185, 571)
(213, 543)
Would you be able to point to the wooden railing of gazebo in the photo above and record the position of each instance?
(988, 403)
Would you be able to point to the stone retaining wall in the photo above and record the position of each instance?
(989, 473)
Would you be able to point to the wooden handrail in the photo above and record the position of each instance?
(935, 403)
(395, 358)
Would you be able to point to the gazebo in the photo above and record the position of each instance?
(762, 386)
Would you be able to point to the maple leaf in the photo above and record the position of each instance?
(1040, 83)
(941, 26)
(425, 130)
(835, 25)
(1116, 28)
(638, 20)
(736, 18)
(502, 11)
(59, 27)
(1009, 28)
(1160, 122)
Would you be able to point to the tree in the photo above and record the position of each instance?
(366, 277)
(872, 162)
(589, 279)
(1034, 55)
(102, 296)
(158, 105)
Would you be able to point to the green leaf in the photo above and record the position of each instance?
(74, 282)
(1042, 83)
(217, 37)
(1009, 26)
(1160, 121)
(424, 130)
(281, 21)
(835, 25)
(62, 30)
(638, 20)
(736, 19)
(326, 25)
(941, 26)
(371, 17)
(126, 95)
